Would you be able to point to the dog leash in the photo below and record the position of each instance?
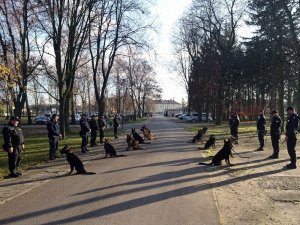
(240, 155)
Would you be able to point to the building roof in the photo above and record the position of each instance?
(166, 102)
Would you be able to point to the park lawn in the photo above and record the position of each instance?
(37, 147)
(224, 130)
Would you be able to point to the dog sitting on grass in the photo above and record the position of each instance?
(223, 154)
(198, 137)
(110, 149)
(210, 142)
(74, 161)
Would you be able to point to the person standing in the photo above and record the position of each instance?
(261, 129)
(53, 135)
(275, 134)
(234, 123)
(102, 126)
(291, 136)
(116, 125)
(13, 145)
(94, 129)
(84, 131)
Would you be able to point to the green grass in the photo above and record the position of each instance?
(37, 147)
(245, 127)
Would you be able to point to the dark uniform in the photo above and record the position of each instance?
(94, 129)
(13, 138)
(291, 135)
(275, 135)
(116, 125)
(53, 135)
(102, 125)
(261, 131)
(84, 130)
(234, 123)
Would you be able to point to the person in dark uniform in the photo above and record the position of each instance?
(84, 131)
(102, 126)
(13, 145)
(234, 123)
(53, 135)
(291, 136)
(94, 129)
(275, 134)
(261, 129)
(116, 125)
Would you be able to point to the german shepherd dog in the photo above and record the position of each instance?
(138, 137)
(147, 133)
(210, 142)
(74, 161)
(224, 153)
(131, 143)
(198, 137)
(110, 150)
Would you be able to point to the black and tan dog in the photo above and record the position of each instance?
(198, 137)
(131, 143)
(74, 161)
(223, 154)
(138, 137)
(147, 133)
(110, 149)
(210, 142)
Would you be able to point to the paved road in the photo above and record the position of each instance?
(158, 186)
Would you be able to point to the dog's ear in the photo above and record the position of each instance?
(66, 146)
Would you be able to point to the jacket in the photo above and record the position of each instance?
(12, 136)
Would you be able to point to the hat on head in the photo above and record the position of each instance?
(290, 108)
(14, 118)
(54, 115)
(261, 110)
(274, 111)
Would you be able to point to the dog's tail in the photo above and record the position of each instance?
(89, 173)
(145, 142)
(203, 148)
(206, 164)
(120, 155)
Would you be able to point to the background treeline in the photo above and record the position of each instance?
(63, 52)
(223, 71)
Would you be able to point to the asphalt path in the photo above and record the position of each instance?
(162, 185)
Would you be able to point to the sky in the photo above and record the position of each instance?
(168, 12)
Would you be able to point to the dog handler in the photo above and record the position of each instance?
(53, 135)
(13, 145)
(275, 134)
(261, 129)
(291, 136)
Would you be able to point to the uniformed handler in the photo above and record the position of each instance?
(53, 135)
(102, 126)
(275, 134)
(13, 145)
(94, 129)
(84, 131)
(291, 136)
(261, 129)
(234, 123)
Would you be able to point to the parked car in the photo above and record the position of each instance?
(193, 117)
(177, 115)
(181, 117)
(41, 119)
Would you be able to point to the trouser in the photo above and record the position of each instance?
(14, 159)
(275, 143)
(234, 132)
(261, 138)
(53, 146)
(101, 136)
(93, 137)
(84, 142)
(291, 143)
(115, 131)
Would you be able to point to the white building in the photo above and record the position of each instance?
(170, 106)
